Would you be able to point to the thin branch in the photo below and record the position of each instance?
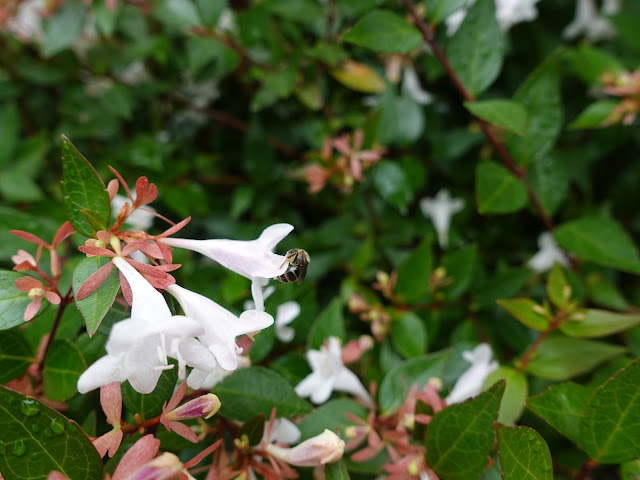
(56, 323)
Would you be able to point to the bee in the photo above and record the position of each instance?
(298, 261)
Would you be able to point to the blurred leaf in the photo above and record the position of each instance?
(282, 81)
(331, 415)
(336, 471)
(600, 240)
(253, 429)
(63, 27)
(150, 405)
(249, 392)
(63, 366)
(524, 455)
(384, 32)
(9, 132)
(605, 293)
(514, 396)
(594, 115)
(438, 10)
(329, 323)
(359, 77)
(523, 310)
(609, 426)
(504, 284)
(630, 470)
(460, 437)
(15, 355)
(561, 358)
(557, 286)
(411, 120)
(590, 62)
(561, 406)
(409, 335)
(392, 184)
(210, 11)
(105, 16)
(414, 274)
(497, 190)
(507, 114)
(13, 302)
(397, 382)
(599, 323)
(476, 50)
(549, 180)
(304, 11)
(178, 13)
(97, 305)
(459, 268)
(83, 190)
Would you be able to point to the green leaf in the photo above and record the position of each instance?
(253, 429)
(437, 10)
(609, 424)
(549, 180)
(514, 396)
(331, 416)
(251, 391)
(336, 471)
(540, 96)
(210, 11)
(599, 323)
(591, 62)
(459, 268)
(497, 190)
(384, 32)
(63, 27)
(460, 437)
(392, 183)
(561, 358)
(503, 284)
(330, 323)
(63, 366)
(558, 289)
(282, 81)
(599, 240)
(409, 335)
(15, 355)
(414, 274)
(13, 302)
(561, 406)
(178, 13)
(524, 455)
(82, 189)
(97, 305)
(630, 470)
(594, 115)
(524, 310)
(507, 114)
(150, 405)
(476, 50)
(36, 440)
(397, 382)
(9, 132)
(303, 11)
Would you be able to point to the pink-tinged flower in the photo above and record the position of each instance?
(356, 159)
(440, 209)
(143, 451)
(138, 347)
(24, 261)
(354, 349)
(111, 401)
(164, 467)
(329, 374)
(471, 381)
(219, 326)
(319, 450)
(36, 290)
(253, 259)
(548, 254)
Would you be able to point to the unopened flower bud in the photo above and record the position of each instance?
(165, 467)
(205, 406)
(319, 450)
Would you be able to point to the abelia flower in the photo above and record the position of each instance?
(411, 85)
(508, 13)
(285, 314)
(440, 209)
(329, 373)
(143, 451)
(590, 23)
(36, 291)
(111, 402)
(206, 380)
(548, 254)
(138, 347)
(471, 381)
(319, 450)
(24, 261)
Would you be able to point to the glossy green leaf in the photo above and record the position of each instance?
(514, 396)
(507, 114)
(83, 190)
(331, 415)
(524, 455)
(438, 10)
(609, 424)
(384, 32)
(459, 267)
(329, 323)
(15, 355)
(13, 302)
(63, 366)
(498, 190)
(63, 28)
(414, 274)
(460, 437)
(594, 323)
(36, 440)
(524, 310)
(599, 240)
(409, 335)
(253, 429)
(561, 406)
(150, 405)
(502, 284)
(476, 50)
(549, 179)
(391, 182)
(336, 471)
(558, 289)
(397, 382)
(251, 391)
(594, 115)
(97, 305)
(561, 358)
(591, 62)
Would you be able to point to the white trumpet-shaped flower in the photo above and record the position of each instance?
(508, 13)
(471, 381)
(548, 254)
(329, 374)
(253, 259)
(591, 23)
(285, 314)
(440, 209)
(206, 380)
(319, 450)
(138, 347)
(220, 326)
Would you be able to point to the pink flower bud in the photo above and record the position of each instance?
(205, 406)
(319, 450)
(165, 467)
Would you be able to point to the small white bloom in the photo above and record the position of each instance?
(590, 23)
(470, 382)
(548, 254)
(207, 379)
(27, 22)
(285, 314)
(282, 431)
(138, 347)
(508, 13)
(140, 219)
(221, 327)
(329, 374)
(319, 450)
(133, 74)
(440, 209)
(411, 85)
